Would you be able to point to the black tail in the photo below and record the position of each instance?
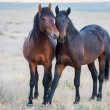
(107, 73)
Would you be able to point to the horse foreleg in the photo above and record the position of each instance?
(94, 77)
(32, 83)
(36, 94)
(77, 81)
(58, 71)
(47, 80)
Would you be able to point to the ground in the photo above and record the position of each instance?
(14, 70)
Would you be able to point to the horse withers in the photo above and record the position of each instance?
(39, 49)
(75, 48)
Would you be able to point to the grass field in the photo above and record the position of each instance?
(14, 70)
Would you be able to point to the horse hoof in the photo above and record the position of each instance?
(42, 105)
(75, 103)
(36, 96)
(92, 98)
(30, 104)
(77, 99)
(46, 103)
(99, 99)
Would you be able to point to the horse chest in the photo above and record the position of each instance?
(40, 57)
(64, 59)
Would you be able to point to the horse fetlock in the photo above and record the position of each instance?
(77, 100)
(92, 97)
(99, 96)
(30, 103)
(36, 95)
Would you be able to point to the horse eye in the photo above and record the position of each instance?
(43, 19)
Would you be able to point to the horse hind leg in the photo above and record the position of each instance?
(94, 74)
(102, 61)
(36, 94)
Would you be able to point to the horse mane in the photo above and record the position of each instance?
(71, 29)
(45, 12)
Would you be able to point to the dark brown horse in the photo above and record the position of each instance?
(76, 48)
(39, 49)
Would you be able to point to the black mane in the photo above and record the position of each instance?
(72, 30)
(45, 11)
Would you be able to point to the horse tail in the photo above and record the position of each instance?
(107, 73)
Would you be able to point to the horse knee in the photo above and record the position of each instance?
(54, 85)
(94, 77)
(32, 83)
(101, 77)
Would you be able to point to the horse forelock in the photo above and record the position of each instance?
(46, 12)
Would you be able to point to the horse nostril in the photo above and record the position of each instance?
(59, 37)
(64, 37)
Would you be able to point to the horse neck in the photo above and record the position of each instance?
(73, 35)
(42, 36)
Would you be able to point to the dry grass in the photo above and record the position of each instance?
(14, 70)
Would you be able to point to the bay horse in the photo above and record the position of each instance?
(39, 49)
(75, 48)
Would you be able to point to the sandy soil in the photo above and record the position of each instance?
(14, 71)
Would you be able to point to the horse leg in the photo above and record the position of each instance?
(58, 71)
(77, 81)
(36, 94)
(94, 77)
(102, 60)
(47, 80)
(32, 83)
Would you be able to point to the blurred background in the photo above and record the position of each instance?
(16, 21)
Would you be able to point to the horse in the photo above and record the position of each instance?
(39, 49)
(75, 48)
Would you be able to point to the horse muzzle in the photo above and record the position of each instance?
(61, 40)
(54, 35)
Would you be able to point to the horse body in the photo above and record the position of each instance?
(76, 48)
(39, 49)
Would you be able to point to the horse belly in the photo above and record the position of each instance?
(91, 55)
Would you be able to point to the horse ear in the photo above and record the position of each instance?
(40, 8)
(68, 11)
(49, 7)
(57, 9)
